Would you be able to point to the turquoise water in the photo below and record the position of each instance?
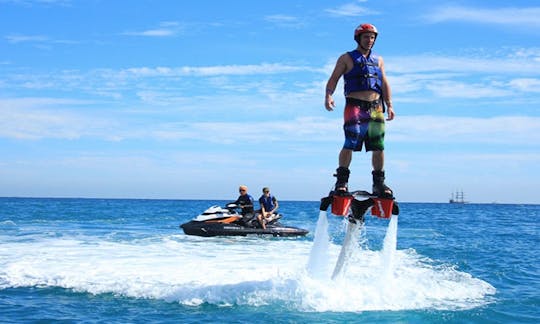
(100, 260)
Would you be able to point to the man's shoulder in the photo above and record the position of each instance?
(348, 54)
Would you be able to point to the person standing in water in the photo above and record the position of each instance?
(367, 95)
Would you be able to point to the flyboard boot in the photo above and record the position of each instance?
(384, 204)
(346, 203)
(340, 190)
(342, 182)
(379, 188)
(341, 198)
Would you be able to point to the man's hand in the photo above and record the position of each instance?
(391, 113)
(329, 102)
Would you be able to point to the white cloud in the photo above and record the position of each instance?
(453, 89)
(465, 76)
(165, 29)
(36, 102)
(519, 17)
(153, 32)
(166, 85)
(40, 40)
(250, 69)
(511, 130)
(42, 118)
(526, 84)
(26, 38)
(285, 21)
(462, 64)
(420, 78)
(302, 129)
(351, 10)
(264, 68)
(37, 2)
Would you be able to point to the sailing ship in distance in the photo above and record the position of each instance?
(457, 198)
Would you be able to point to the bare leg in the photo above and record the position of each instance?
(261, 221)
(377, 160)
(345, 158)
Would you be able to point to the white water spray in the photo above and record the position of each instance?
(350, 243)
(389, 248)
(318, 257)
(252, 271)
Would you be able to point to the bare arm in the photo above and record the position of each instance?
(276, 206)
(339, 70)
(387, 91)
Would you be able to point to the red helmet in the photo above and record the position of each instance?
(365, 28)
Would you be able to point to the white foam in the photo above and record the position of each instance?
(349, 246)
(318, 256)
(236, 271)
(390, 247)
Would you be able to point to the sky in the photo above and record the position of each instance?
(190, 99)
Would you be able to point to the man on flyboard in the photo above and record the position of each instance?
(368, 96)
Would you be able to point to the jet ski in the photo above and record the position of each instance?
(218, 221)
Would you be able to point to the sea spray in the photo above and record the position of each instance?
(389, 248)
(318, 257)
(117, 256)
(350, 244)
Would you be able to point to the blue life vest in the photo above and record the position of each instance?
(365, 74)
(267, 202)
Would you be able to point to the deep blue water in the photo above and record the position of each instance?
(107, 260)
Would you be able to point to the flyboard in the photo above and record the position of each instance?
(354, 205)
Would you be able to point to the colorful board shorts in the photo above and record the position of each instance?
(363, 123)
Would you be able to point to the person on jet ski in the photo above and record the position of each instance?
(245, 201)
(269, 205)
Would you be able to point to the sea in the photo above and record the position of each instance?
(127, 261)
